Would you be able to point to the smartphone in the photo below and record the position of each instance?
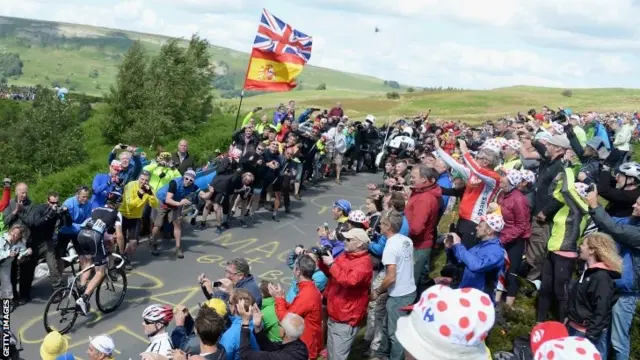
(591, 188)
(217, 284)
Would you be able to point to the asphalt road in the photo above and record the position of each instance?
(168, 280)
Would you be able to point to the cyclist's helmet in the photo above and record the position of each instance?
(114, 197)
(343, 205)
(156, 313)
(630, 169)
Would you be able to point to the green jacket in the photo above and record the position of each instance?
(570, 221)
(157, 180)
(270, 319)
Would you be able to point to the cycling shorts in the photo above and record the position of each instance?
(91, 243)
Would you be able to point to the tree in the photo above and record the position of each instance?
(10, 65)
(567, 93)
(94, 74)
(392, 84)
(393, 95)
(127, 98)
(322, 86)
(84, 109)
(410, 89)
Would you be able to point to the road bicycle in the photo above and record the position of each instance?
(64, 299)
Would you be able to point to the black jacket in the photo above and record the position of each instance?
(249, 163)
(21, 218)
(591, 300)
(43, 223)
(295, 350)
(620, 201)
(185, 165)
(549, 169)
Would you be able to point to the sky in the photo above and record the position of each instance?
(472, 44)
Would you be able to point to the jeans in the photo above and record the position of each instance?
(377, 318)
(339, 340)
(621, 319)
(421, 268)
(556, 274)
(394, 304)
(602, 344)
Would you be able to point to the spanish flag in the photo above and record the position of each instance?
(279, 53)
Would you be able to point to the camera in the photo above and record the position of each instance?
(321, 251)
(397, 188)
(123, 147)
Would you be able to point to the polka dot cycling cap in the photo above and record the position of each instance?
(568, 348)
(514, 176)
(492, 144)
(447, 324)
(558, 128)
(582, 189)
(495, 221)
(528, 176)
(514, 144)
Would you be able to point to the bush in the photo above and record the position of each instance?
(10, 65)
(322, 86)
(392, 84)
(410, 89)
(393, 95)
(567, 93)
(94, 74)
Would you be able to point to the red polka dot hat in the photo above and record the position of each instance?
(447, 324)
(568, 348)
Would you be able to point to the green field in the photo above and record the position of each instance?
(68, 53)
(465, 105)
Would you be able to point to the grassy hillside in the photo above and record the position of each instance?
(68, 53)
(466, 105)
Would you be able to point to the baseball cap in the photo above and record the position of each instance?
(190, 173)
(103, 344)
(560, 141)
(218, 305)
(358, 234)
(543, 332)
(447, 324)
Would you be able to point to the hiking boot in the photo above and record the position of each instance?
(179, 253)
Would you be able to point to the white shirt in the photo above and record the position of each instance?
(160, 344)
(399, 252)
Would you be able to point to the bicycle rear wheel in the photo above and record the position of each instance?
(114, 281)
(65, 305)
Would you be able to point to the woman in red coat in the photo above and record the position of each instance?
(515, 210)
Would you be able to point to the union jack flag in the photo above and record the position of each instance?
(274, 35)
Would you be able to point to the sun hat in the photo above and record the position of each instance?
(53, 345)
(495, 221)
(447, 324)
(103, 343)
(545, 331)
(567, 348)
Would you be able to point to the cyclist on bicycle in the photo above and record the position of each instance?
(156, 319)
(105, 222)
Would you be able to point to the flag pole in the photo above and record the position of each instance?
(235, 126)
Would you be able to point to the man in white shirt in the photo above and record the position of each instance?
(399, 281)
(337, 142)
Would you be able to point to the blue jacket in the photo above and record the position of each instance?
(230, 339)
(444, 181)
(337, 246)
(131, 172)
(180, 194)
(79, 214)
(601, 132)
(247, 283)
(627, 283)
(376, 247)
(102, 185)
(304, 116)
(319, 278)
(278, 117)
(487, 256)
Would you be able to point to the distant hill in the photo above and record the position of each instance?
(84, 58)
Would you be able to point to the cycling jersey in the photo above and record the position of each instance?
(160, 344)
(482, 186)
(91, 237)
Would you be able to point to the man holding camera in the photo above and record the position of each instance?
(43, 226)
(131, 164)
(136, 196)
(103, 184)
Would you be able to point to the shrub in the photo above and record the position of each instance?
(393, 95)
(410, 89)
(567, 93)
(322, 86)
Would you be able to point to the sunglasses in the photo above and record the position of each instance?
(53, 202)
(149, 322)
(188, 179)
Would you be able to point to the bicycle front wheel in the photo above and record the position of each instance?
(62, 304)
(112, 290)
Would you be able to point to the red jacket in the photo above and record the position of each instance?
(336, 111)
(422, 214)
(308, 304)
(6, 198)
(516, 214)
(347, 290)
